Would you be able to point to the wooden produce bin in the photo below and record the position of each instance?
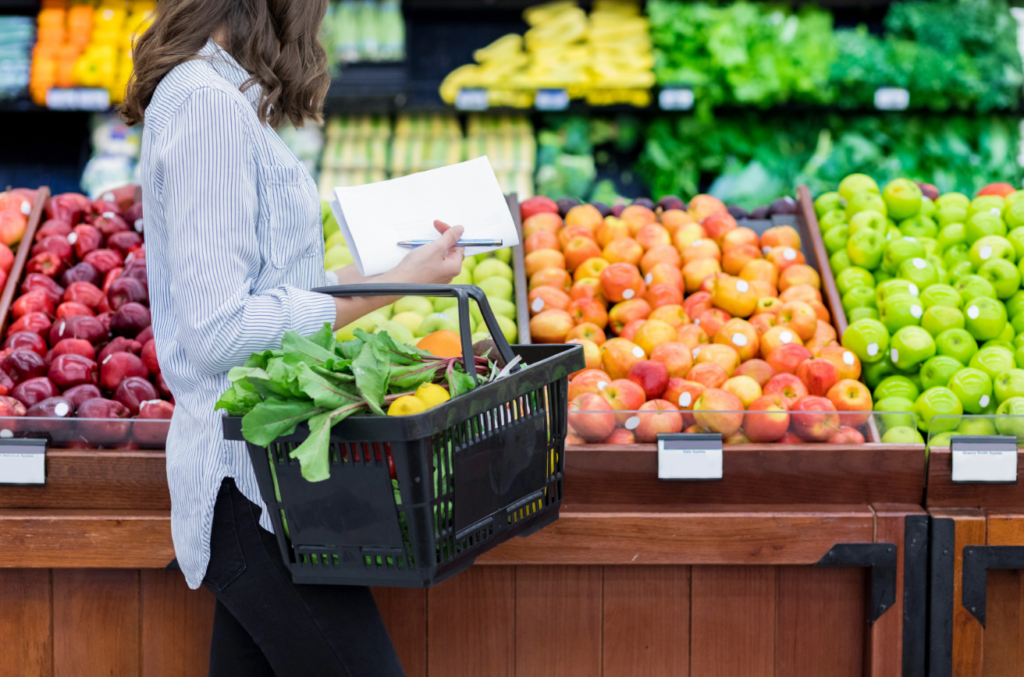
(976, 624)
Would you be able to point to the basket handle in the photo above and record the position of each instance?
(462, 293)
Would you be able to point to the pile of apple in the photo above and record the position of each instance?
(79, 342)
(932, 288)
(689, 322)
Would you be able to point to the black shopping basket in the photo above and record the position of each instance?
(466, 476)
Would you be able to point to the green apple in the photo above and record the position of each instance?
(865, 201)
(862, 314)
(986, 318)
(491, 268)
(1016, 238)
(920, 272)
(982, 224)
(397, 331)
(896, 286)
(952, 198)
(1018, 352)
(949, 235)
(856, 183)
(938, 370)
(991, 247)
(868, 220)
(898, 311)
(939, 267)
(444, 303)
(859, 297)
(508, 328)
(990, 204)
(839, 261)
(927, 207)
(958, 344)
(919, 226)
(957, 254)
(939, 441)
(973, 388)
(437, 322)
(899, 250)
(1013, 198)
(1002, 275)
(993, 361)
(899, 412)
(868, 339)
(865, 248)
(836, 217)
(1018, 323)
(336, 257)
(420, 305)
(930, 244)
(1010, 419)
(933, 407)
(464, 277)
(910, 346)
(330, 224)
(949, 215)
(852, 277)
(1020, 268)
(893, 233)
(972, 287)
(902, 435)
(367, 323)
(469, 263)
(410, 320)
(876, 372)
(502, 307)
(896, 386)
(827, 202)
(902, 198)
(496, 287)
(941, 295)
(1013, 214)
(836, 239)
(504, 255)
(938, 319)
(881, 276)
(480, 336)
(970, 425)
(1009, 384)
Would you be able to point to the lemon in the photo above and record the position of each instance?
(406, 406)
(431, 395)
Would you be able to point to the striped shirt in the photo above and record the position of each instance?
(233, 244)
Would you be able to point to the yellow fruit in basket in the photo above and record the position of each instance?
(431, 395)
(335, 239)
(406, 405)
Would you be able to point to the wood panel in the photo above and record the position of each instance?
(761, 474)
(90, 479)
(733, 621)
(177, 625)
(885, 637)
(815, 608)
(558, 621)
(471, 624)
(404, 611)
(1005, 528)
(1004, 630)
(85, 538)
(967, 631)
(942, 493)
(95, 623)
(25, 616)
(701, 536)
(646, 621)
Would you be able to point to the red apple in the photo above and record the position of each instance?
(767, 419)
(590, 418)
(623, 395)
(684, 394)
(719, 411)
(620, 436)
(789, 438)
(119, 366)
(651, 376)
(586, 381)
(788, 386)
(847, 436)
(814, 418)
(759, 370)
(850, 395)
(818, 374)
(658, 416)
(787, 357)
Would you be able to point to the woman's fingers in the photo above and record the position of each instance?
(441, 226)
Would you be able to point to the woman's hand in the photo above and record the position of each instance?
(435, 263)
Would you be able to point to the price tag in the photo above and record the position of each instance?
(551, 99)
(472, 99)
(675, 98)
(23, 462)
(683, 456)
(984, 459)
(78, 99)
(892, 98)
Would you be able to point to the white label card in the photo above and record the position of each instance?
(551, 99)
(23, 462)
(675, 98)
(689, 457)
(984, 459)
(78, 99)
(472, 99)
(892, 98)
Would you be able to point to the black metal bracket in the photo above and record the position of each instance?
(940, 600)
(915, 594)
(881, 559)
(978, 559)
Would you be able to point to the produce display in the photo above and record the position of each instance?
(17, 35)
(79, 342)
(931, 286)
(357, 31)
(604, 58)
(689, 322)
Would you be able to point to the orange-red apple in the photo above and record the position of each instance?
(719, 411)
(651, 376)
(590, 418)
(814, 418)
(676, 357)
(849, 395)
(551, 326)
(788, 386)
(658, 417)
(618, 355)
(759, 370)
(588, 331)
(819, 375)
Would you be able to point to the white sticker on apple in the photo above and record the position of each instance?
(5, 433)
(786, 337)
(920, 264)
(628, 294)
(739, 339)
(910, 239)
(638, 352)
(538, 305)
(996, 211)
(696, 243)
(973, 312)
(985, 252)
(109, 215)
(632, 422)
(696, 352)
(872, 349)
(916, 311)
(26, 208)
(601, 385)
(789, 254)
(848, 358)
(743, 286)
(60, 331)
(765, 250)
(61, 409)
(648, 278)
(697, 321)
(138, 225)
(912, 289)
(444, 315)
(72, 238)
(108, 197)
(895, 355)
(685, 400)
(984, 401)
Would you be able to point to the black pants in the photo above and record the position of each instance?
(266, 626)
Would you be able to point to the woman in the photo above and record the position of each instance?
(234, 245)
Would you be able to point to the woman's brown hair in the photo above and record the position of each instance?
(276, 41)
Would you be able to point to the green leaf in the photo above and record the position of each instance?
(301, 349)
(324, 338)
(273, 418)
(242, 373)
(238, 401)
(325, 392)
(313, 455)
(350, 349)
(371, 370)
(410, 377)
(459, 382)
(333, 371)
(278, 381)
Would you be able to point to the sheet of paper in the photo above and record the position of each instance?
(375, 217)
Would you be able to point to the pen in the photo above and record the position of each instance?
(461, 243)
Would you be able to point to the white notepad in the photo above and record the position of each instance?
(376, 216)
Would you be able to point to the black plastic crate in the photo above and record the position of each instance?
(414, 500)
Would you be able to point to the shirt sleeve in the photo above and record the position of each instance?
(211, 208)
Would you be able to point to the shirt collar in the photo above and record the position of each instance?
(229, 69)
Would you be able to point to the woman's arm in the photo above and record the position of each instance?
(210, 208)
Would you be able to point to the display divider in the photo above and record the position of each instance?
(522, 291)
(21, 256)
